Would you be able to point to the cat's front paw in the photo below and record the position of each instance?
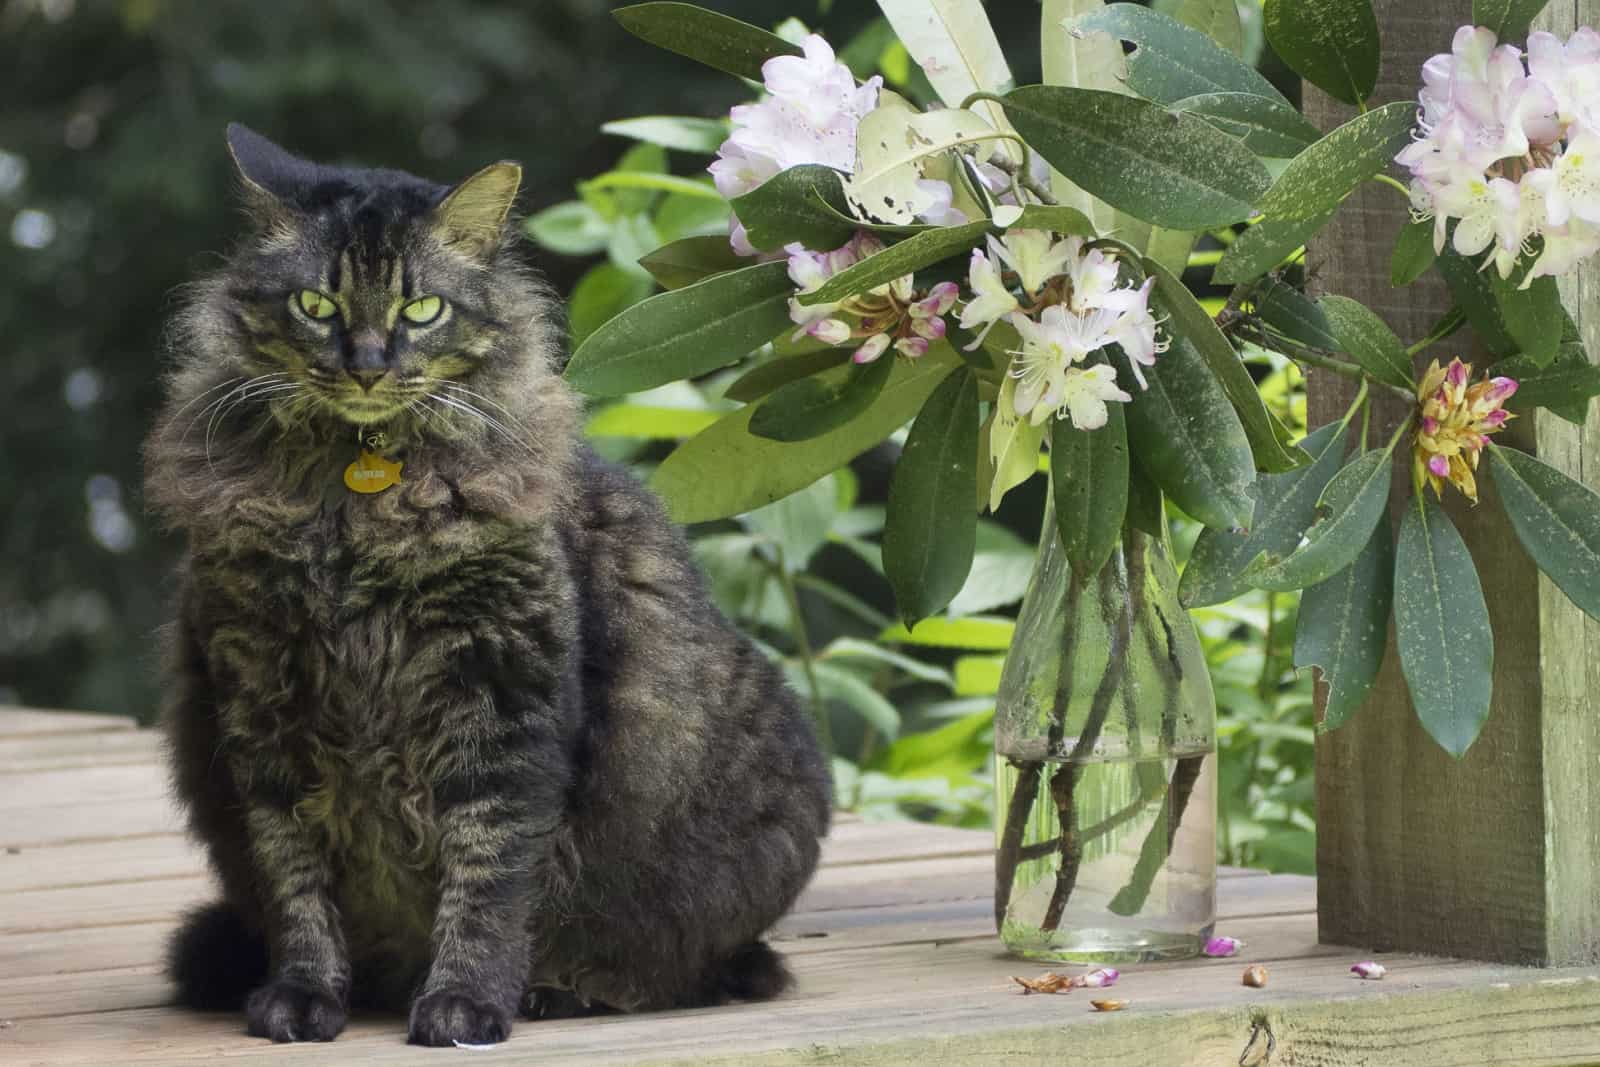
(442, 1019)
(286, 1010)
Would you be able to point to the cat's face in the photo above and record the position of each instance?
(368, 291)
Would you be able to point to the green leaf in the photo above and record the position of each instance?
(1557, 519)
(1013, 445)
(632, 182)
(1055, 218)
(1266, 126)
(1187, 317)
(1442, 627)
(1217, 19)
(1081, 61)
(1319, 178)
(1368, 340)
(1172, 61)
(604, 292)
(632, 238)
(1089, 473)
(648, 422)
(681, 132)
(978, 632)
(1475, 295)
(1509, 19)
(978, 676)
(720, 42)
(1343, 626)
(1351, 506)
(1000, 570)
(1147, 510)
(570, 228)
(1564, 387)
(931, 530)
(1293, 314)
(1169, 169)
(1333, 44)
(686, 332)
(761, 380)
(813, 406)
(853, 649)
(1264, 246)
(1413, 253)
(798, 525)
(794, 206)
(691, 259)
(726, 470)
(1188, 438)
(839, 685)
(1285, 505)
(904, 257)
(954, 45)
(1532, 315)
(955, 751)
(679, 216)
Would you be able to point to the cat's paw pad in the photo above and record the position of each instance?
(446, 1018)
(285, 1010)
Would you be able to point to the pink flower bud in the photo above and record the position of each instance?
(1102, 977)
(940, 299)
(1500, 389)
(872, 349)
(910, 347)
(1430, 425)
(932, 329)
(1495, 419)
(829, 331)
(1439, 466)
(1457, 374)
(1369, 969)
(1222, 946)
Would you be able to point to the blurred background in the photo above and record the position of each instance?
(115, 189)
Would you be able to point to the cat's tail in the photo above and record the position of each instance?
(754, 972)
(215, 959)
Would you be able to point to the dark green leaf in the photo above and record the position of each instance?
(793, 206)
(931, 529)
(1188, 438)
(812, 406)
(726, 470)
(1557, 519)
(571, 228)
(1266, 126)
(1263, 246)
(1291, 313)
(686, 332)
(604, 292)
(1319, 178)
(1366, 339)
(1147, 510)
(682, 132)
(1089, 473)
(720, 42)
(759, 381)
(1474, 294)
(1217, 19)
(1413, 253)
(1333, 44)
(1509, 19)
(1564, 387)
(1055, 218)
(1171, 61)
(1171, 170)
(691, 259)
(1187, 317)
(899, 259)
(1344, 626)
(1285, 505)
(848, 689)
(1442, 627)
(1532, 315)
(1351, 507)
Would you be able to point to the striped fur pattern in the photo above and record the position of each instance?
(479, 743)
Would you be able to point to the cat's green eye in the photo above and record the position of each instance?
(423, 310)
(316, 305)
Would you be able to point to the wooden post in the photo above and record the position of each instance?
(1496, 856)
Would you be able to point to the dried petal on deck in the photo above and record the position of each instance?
(1255, 976)
(1109, 1005)
(1049, 982)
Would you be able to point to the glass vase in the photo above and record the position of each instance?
(1105, 764)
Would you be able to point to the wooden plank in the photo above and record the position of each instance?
(1493, 855)
(79, 785)
(875, 842)
(86, 749)
(133, 859)
(90, 821)
(109, 947)
(18, 722)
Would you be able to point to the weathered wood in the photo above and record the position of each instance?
(18, 722)
(83, 749)
(1495, 856)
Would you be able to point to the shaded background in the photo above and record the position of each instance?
(115, 188)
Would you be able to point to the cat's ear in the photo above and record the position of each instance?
(271, 176)
(473, 217)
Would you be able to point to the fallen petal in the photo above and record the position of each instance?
(1049, 982)
(1108, 1005)
(1369, 969)
(1101, 978)
(1222, 946)
(1255, 975)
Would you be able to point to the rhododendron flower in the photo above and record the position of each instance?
(1222, 947)
(1102, 978)
(1510, 152)
(991, 299)
(1456, 421)
(1035, 255)
(889, 314)
(1050, 347)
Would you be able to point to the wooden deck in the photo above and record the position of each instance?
(893, 945)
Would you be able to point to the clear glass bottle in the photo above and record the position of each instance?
(1105, 764)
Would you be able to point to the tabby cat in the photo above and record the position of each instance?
(448, 704)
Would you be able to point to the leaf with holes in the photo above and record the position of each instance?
(1171, 60)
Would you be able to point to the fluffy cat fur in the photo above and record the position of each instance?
(478, 743)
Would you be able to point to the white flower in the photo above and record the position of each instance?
(1085, 393)
(1571, 184)
(991, 300)
(1570, 70)
(1035, 255)
(1135, 330)
(1050, 347)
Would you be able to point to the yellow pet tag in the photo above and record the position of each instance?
(371, 473)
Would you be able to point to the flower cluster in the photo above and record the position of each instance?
(1511, 152)
(1066, 302)
(1456, 420)
(809, 115)
(890, 314)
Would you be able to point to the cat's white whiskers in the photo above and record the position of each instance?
(488, 420)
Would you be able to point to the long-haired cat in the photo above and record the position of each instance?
(449, 706)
